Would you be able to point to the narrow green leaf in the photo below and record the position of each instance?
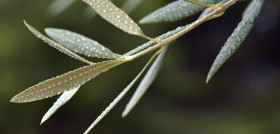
(55, 44)
(66, 82)
(64, 97)
(175, 11)
(237, 37)
(80, 44)
(115, 16)
(151, 43)
(147, 81)
(120, 96)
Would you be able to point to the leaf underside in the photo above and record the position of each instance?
(237, 37)
(146, 81)
(63, 98)
(115, 16)
(175, 11)
(70, 42)
(119, 97)
(66, 82)
(80, 44)
(55, 44)
(151, 43)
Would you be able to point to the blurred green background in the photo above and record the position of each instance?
(242, 98)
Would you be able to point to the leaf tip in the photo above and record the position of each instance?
(50, 31)
(141, 21)
(210, 74)
(128, 108)
(16, 99)
(13, 100)
(45, 117)
(43, 120)
(125, 113)
(25, 23)
(47, 30)
(207, 80)
(145, 20)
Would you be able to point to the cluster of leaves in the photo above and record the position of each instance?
(73, 44)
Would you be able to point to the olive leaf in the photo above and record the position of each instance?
(120, 96)
(66, 82)
(64, 97)
(151, 43)
(116, 16)
(237, 37)
(175, 11)
(80, 44)
(146, 81)
(89, 13)
(55, 44)
(69, 83)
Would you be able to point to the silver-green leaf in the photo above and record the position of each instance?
(151, 43)
(64, 97)
(119, 97)
(80, 44)
(146, 81)
(55, 44)
(66, 82)
(115, 16)
(237, 37)
(175, 11)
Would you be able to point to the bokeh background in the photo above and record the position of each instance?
(242, 98)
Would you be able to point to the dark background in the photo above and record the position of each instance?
(242, 98)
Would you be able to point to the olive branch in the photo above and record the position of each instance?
(74, 44)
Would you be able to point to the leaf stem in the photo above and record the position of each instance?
(122, 94)
(214, 14)
(152, 39)
(197, 2)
